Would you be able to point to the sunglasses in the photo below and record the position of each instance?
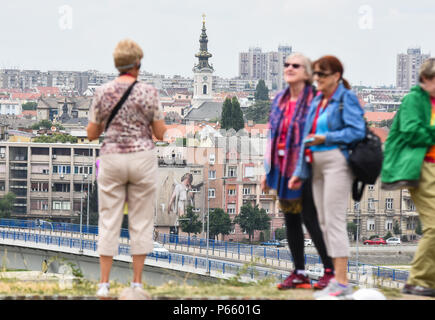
(321, 74)
(294, 65)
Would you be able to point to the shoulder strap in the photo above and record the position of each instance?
(119, 104)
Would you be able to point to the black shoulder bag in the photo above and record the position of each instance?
(365, 160)
(119, 104)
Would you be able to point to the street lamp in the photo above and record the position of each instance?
(81, 214)
(208, 220)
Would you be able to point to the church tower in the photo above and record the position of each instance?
(203, 72)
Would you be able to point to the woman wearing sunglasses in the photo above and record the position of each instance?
(286, 123)
(335, 121)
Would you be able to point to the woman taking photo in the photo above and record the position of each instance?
(286, 123)
(128, 164)
(335, 121)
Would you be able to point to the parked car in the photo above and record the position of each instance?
(271, 243)
(159, 250)
(380, 241)
(284, 242)
(393, 241)
(308, 242)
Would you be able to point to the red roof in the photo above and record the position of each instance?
(25, 96)
(45, 91)
(381, 133)
(379, 116)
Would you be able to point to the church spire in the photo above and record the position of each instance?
(203, 55)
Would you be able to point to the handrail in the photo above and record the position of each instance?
(214, 245)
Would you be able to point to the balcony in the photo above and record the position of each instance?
(389, 212)
(249, 197)
(267, 197)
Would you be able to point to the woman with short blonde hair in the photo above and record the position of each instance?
(128, 164)
(126, 55)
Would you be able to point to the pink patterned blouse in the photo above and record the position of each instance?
(130, 130)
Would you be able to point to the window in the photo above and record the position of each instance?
(212, 174)
(231, 209)
(231, 192)
(232, 171)
(39, 186)
(249, 172)
(370, 224)
(389, 224)
(246, 191)
(389, 204)
(57, 205)
(371, 204)
(211, 193)
(371, 187)
(62, 169)
(211, 158)
(356, 206)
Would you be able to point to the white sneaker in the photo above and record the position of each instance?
(335, 292)
(103, 290)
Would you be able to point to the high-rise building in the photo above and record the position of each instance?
(408, 65)
(267, 66)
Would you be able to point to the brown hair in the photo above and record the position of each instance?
(331, 64)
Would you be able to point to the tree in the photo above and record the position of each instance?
(251, 219)
(261, 91)
(232, 115)
(258, 112)
(388, 235)
(396, 228)
(226, 122)
(351, 229)
(57, 137)
(46, 124)
(93, 205)
(190, 222)
(220, 223)
(418, 228)
(6, 205)
(237, 115)
(280, 234)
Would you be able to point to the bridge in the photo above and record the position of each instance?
(25, 245)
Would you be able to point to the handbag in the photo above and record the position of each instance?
(365, 160)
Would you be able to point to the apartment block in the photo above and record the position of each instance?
(408, 66)
(49, 180)
(268, 66)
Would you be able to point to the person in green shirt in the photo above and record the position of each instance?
(409, 162)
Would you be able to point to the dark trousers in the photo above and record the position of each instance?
(295, 235)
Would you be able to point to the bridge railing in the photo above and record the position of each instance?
(174, 258)
(227, 247)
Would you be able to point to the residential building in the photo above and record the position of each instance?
(267, 66)
(408, 66)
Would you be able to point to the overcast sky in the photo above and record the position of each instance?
(81, 34)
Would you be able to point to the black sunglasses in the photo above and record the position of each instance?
(294, 65)
(321, 74)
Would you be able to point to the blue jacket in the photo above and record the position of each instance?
(346, 126)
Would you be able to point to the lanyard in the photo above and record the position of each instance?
(313, 129)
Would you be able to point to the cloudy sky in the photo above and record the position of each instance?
(81, 34)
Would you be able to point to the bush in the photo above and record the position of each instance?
(388, 235)
(404, 238)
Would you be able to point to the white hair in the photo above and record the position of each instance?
(306, 61)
